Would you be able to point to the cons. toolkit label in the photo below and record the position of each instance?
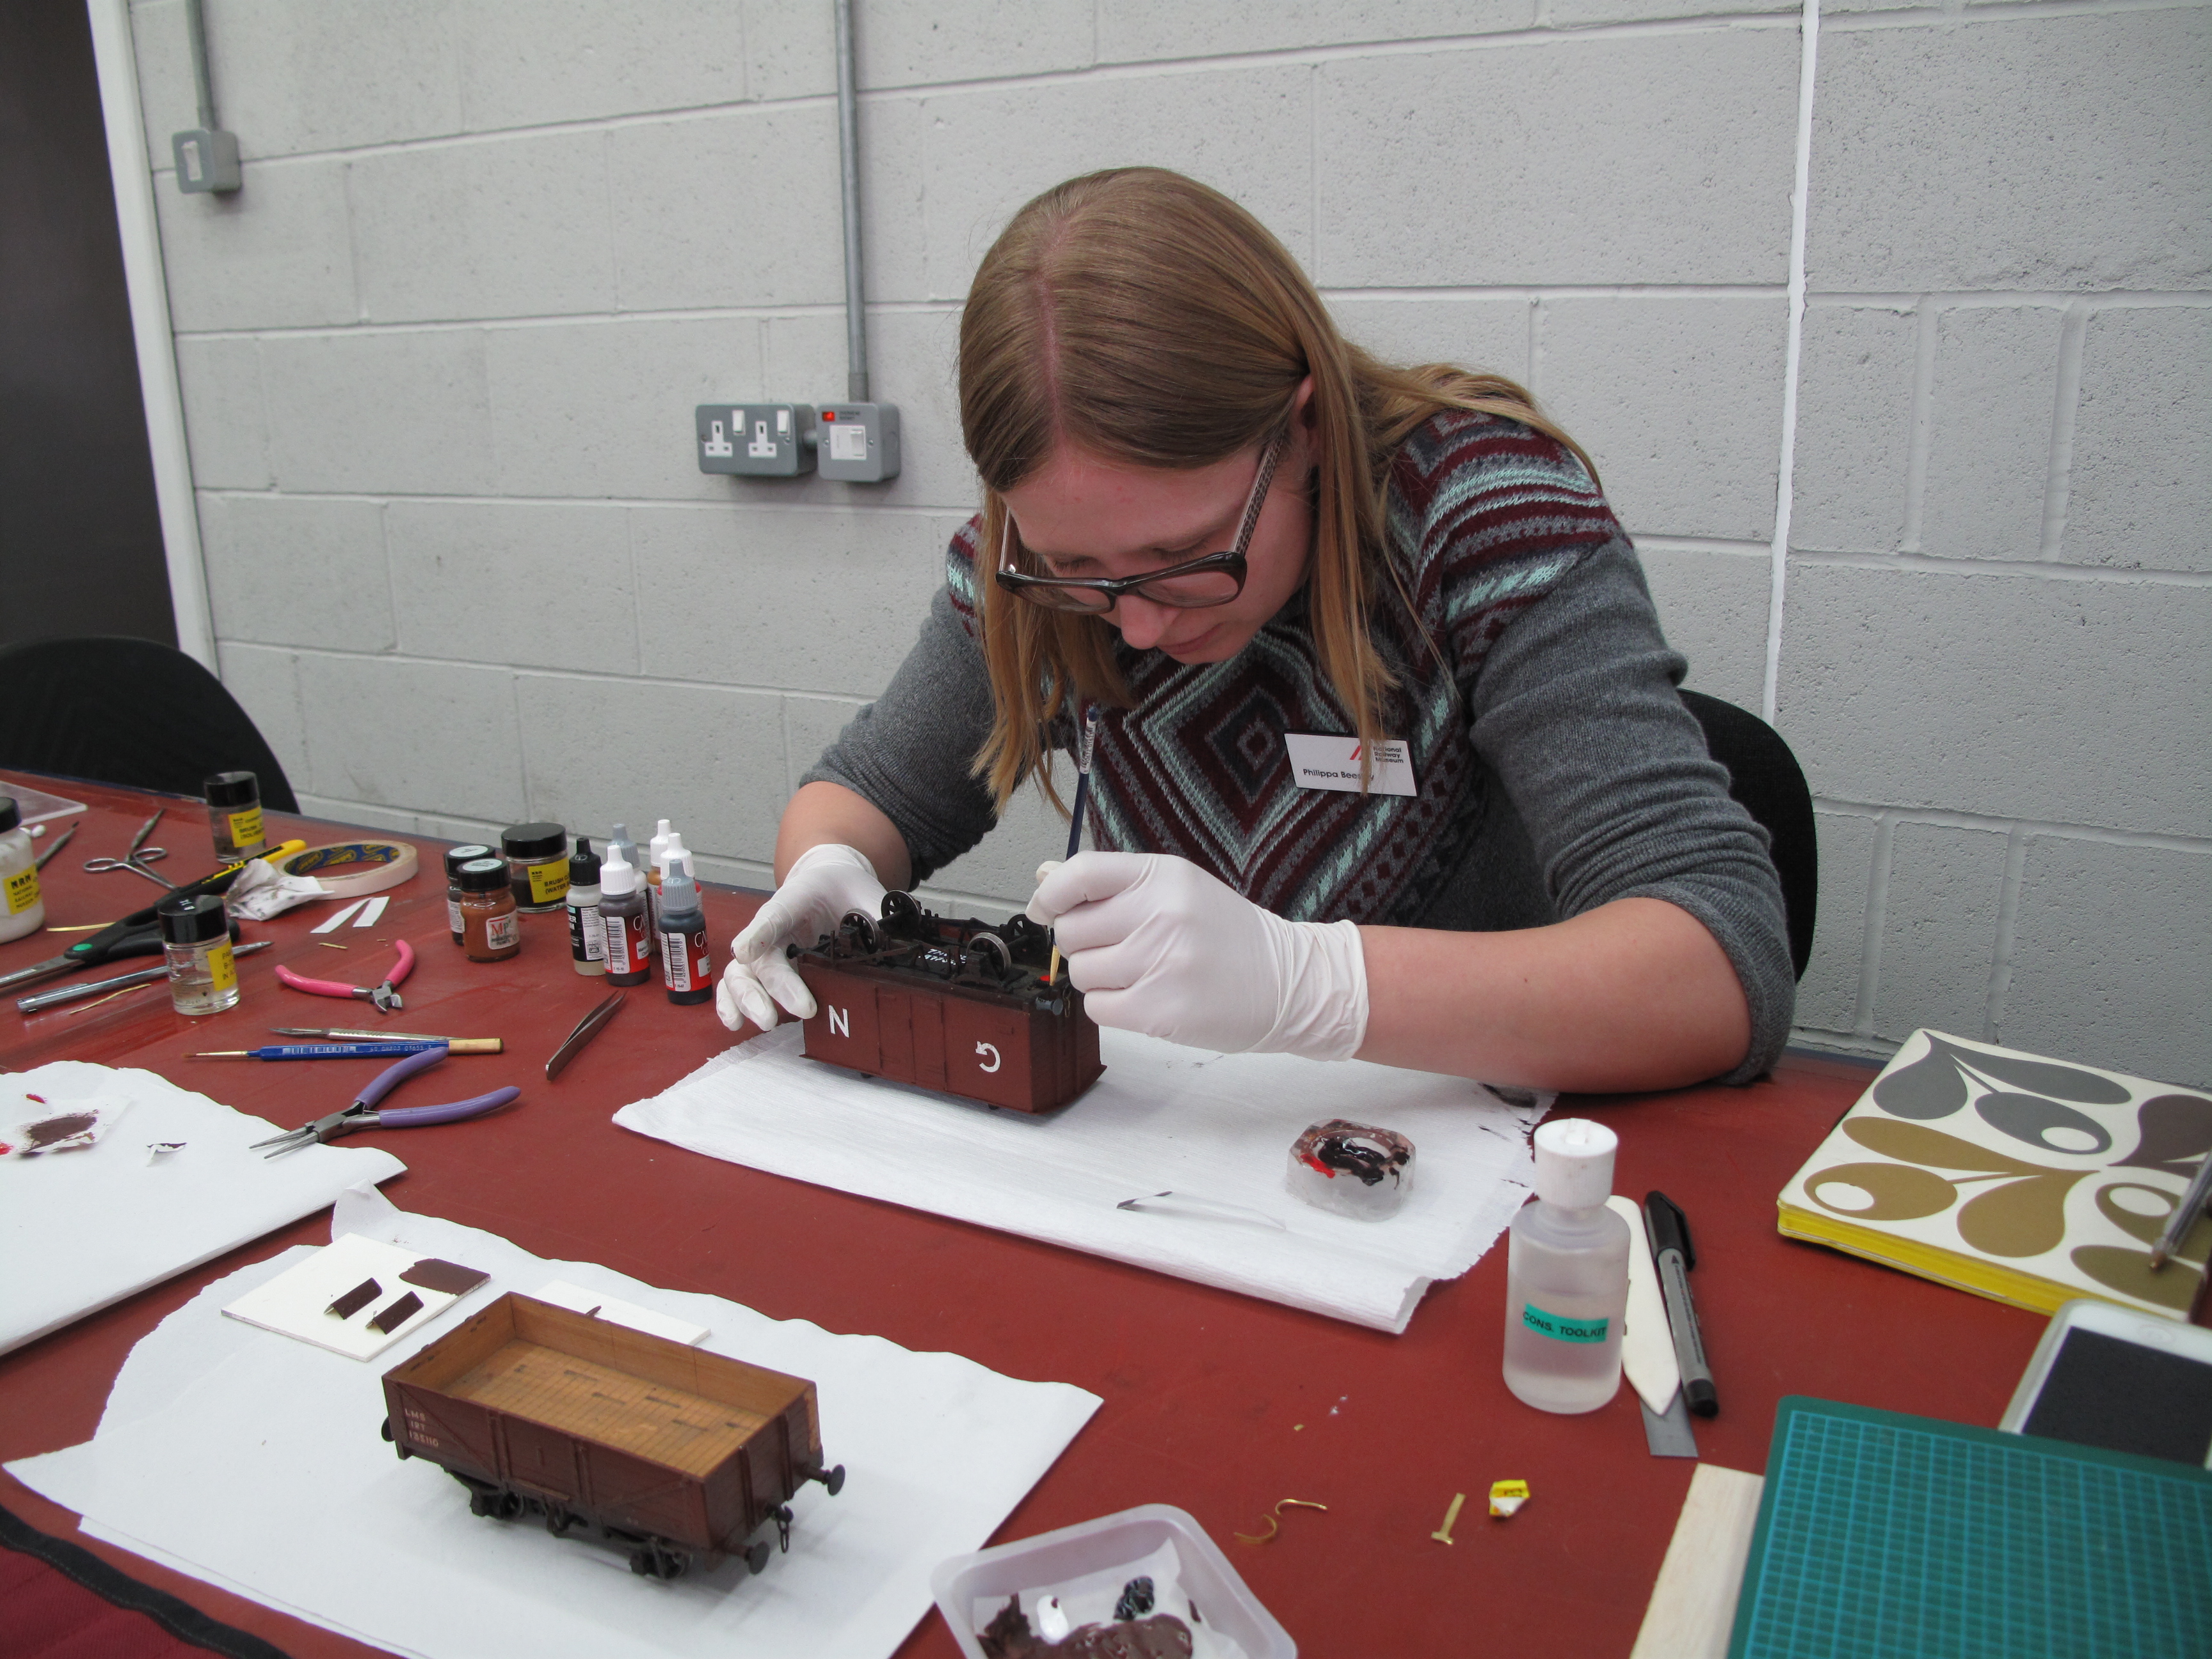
(1560, 1328)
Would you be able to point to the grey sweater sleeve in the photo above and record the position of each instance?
(1575, 709)
(906, 753)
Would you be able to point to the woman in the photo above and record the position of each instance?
(1264, 559)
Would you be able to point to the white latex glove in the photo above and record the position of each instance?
(823, 884)
(1156, 945)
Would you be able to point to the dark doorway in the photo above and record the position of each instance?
(79, 534)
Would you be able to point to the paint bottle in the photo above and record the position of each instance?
(1566, 1274)
(656, 855)
(22, 907)
(686, 962)
(622, 911)
(490, 930)
(234, 803)
(455, 858)
(587, 932)
(195, 943)
(674, 852)
(537, 863)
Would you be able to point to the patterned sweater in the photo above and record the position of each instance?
(1557, 769)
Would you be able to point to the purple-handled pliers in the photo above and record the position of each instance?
(363, 1115)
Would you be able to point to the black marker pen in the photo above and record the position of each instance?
(1674, 1256)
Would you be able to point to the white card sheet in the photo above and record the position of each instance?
(81, 1229)
(256, 1464)
(297, 1303)
(1214, 1128)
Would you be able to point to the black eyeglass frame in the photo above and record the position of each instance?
(1111, 588)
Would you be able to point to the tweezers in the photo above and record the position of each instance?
(586, 1029)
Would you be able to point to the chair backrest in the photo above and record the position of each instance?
(1765, 776)
(130, 711)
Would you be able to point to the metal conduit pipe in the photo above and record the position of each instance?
(848, 155)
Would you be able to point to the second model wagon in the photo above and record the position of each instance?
(663, 1450)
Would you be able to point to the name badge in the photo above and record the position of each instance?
(1332, 763)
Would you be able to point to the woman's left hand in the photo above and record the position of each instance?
(1158, 945)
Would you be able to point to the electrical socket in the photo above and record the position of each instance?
(859, 442)
(207, 160)
(757, 440)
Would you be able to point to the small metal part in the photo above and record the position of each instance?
(586, 1029)
(1274, 1522)
(1442, 1534)
(2185, 1215)
(1136, 1600)
(161, 1149)
(1174, 1203)
(392, 1318)
(356, 1299)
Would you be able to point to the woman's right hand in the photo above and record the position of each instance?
(824, 883)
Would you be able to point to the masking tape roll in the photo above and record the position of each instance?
(376, 866)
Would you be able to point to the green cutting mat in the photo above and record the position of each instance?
(1882, 1536)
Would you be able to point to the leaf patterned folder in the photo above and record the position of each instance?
(2016, 1177)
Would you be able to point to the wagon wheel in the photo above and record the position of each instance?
(558, 1520)
(674, 1563)
(643, 1563)
(861, 932)
(757, 1556)
(988, 956)
(901, 915)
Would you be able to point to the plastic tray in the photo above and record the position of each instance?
(1111, 1540)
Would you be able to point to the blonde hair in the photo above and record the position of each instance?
(1146, 319)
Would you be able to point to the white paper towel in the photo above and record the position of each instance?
(1213, 1127)
(254, 1463)
(79, 1230)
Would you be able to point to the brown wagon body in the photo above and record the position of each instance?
(961, 1006)
(660, 1448)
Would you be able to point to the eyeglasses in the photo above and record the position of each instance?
(1195, 585)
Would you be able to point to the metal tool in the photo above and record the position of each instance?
(376, 1049)
(363, 1114)
(138, 934)
(1086, 736)
(384, 996)
(586, 1029)
(59, 841)
(2185, 1215)
(138, 857)
(334, 1034)
(38, 1002)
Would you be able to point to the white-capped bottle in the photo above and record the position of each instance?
(1566, 1274)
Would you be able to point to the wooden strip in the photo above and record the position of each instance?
(1692, 1606)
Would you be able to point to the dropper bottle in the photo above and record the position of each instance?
(686, 963)
(1566, 1274)
(655, 868)
(588, 930)
(622, 912)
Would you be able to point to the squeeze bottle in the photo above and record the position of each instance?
(687, 965)
(621, 914)
(1566, 1274)
(22, 909)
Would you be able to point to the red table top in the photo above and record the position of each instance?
(1215, 1402)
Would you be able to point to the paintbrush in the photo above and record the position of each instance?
(1087, 736)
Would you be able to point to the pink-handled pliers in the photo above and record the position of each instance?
(363, 1115)
(384, 996)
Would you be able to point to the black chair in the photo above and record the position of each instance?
(129, 712)
(1765, 778)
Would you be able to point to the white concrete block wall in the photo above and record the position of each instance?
(439, 360)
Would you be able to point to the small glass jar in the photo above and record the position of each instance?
(537, 865)
(455, 858)
(196, 943)
(234, 802)
(490, 930)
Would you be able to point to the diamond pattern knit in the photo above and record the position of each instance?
(1484, 518)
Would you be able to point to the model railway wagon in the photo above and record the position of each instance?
(658, 1449)
(963, 1007)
